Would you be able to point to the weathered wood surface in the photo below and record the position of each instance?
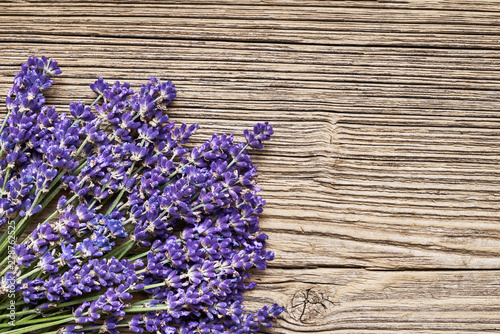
(382, 180)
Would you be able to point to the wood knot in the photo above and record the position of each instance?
(309, 304)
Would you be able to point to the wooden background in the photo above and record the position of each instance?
(382, 180)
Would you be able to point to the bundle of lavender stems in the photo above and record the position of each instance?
(112, 225)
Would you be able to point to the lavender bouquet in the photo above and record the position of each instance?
(129, 229)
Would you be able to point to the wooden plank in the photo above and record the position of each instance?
(386, 148)
(260, 16)
(428, 5)
(235, 33)
(350, 193)
(358, 301)
(381, 214)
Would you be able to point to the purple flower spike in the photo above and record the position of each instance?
(261, 132)
(80, 111)
(167, 92)
(49, 66)
(148, 233)
(100, 86)
(47, 263)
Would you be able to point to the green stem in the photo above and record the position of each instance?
(34, 328)
(118, 250)
(97, 327)
(138, 256)
(28, 317)
(29, 274)
(95, 101)
(18, 313)
(152, 286)
(7, 172)
(80, 300)
(34, 321)
(81, 146)
(5, 306)
(234, 159)
(5, 121)
(145, 309)
(58, 307)
(125, 251)
(115, 203)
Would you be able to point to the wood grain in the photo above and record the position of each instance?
(359, 301)
(382, 180)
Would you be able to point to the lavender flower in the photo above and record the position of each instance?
(142, 215)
